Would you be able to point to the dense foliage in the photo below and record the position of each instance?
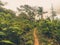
(18, 30)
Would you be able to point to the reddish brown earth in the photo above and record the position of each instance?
(36, 42)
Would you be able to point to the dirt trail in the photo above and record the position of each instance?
(36, 42)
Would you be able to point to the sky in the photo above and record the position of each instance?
(46, 4)
(12, 4)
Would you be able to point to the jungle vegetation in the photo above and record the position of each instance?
(18, 30)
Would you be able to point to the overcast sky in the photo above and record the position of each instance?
(12, 4)
(46, 4)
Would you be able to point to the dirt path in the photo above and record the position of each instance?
(36, 42)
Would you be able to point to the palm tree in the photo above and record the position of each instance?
(40, 12)
(53, 12)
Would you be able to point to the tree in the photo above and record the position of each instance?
(28, 10)
(41, 12)
(1, 4)
(53, 13)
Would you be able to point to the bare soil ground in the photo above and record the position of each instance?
(36, 42)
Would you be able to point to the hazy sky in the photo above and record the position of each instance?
(12, 4)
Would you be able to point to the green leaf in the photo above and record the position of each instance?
(7, 41)
(2, 33)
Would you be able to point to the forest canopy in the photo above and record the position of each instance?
(20, 30)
